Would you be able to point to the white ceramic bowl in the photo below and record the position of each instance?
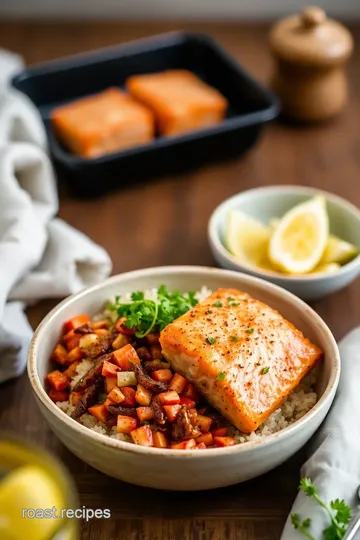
(189, 469)
(272, 202)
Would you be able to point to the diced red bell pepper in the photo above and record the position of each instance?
(171, 412)
(110, 383)
(152, 338)
(169, 398)
(100, 412)
(57, 380)
(100, 324)
(200, 446)
(55, 395)
(75, 322)
(116, 395)
(70, 372)
(204, 423)
(160, 440)
(184, 445)
(109, 369)
(75, 397)
(125, 356)
(60, 355)
(224, 441)
(129, 394)
(75, 354)
(143, 395)
(188, 403)
(206, 438)
(120, 327)
(125, 424)
(178, 383)
(162, 375)
(145, 413)
(220, 432)
(143, 436)
(191, 392)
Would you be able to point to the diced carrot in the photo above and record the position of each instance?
(188, 403)
(110, 383)
(108, 402)
(60, 355)
(88, 340)
(129, 394)
(57, 380)
(75, 322)
(116, 395)
(70, 372)
(143, 436)
(124, 356)
(160, 440)
(224, 441)
(219, 432)
(152, 338)
(101, 332)
(75, 354)
(109, 369)
(143, 395)
(75, 397)
(100, 324)
(145, 413)
(204, 423)
(162, 375)
(191, 392)
(71, 340)
(125, 424)
(100, 412)
(184, 445)
(201, 446)
(169, 398)
(206, 438)
(178, 383)
(155, 351)
(171, 412)
(56, 395)
(120, 327)
(120, 341)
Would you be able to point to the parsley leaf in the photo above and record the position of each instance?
(342, 511)
(138, 295)
(102, 397)
(230, 298)
(217, 304)
(249, 330)
(210, 340)
(234, 304)
(234, 338)
(265, 370)
(221, 376)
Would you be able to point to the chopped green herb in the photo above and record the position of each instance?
(249, 330)
(102, 397)
(149, 315)
(217, 304)
(221, 376)
(234, 304)
(146, 422)
(265, 370)
(234, 338)
(230, 298)
(210, 340)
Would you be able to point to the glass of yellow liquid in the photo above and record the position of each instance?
(37, 494)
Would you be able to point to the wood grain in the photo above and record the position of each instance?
(164, 222)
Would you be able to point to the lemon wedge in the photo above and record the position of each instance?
(28, 487)
(329, 268)
(247, 238)
(299, 239)
(338, 251)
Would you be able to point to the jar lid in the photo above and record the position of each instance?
(311, 38)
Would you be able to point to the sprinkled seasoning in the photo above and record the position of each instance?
(234, 304)
(221, 376)
(265, 370)
(210, 340)
(249, 330)
(234, 338)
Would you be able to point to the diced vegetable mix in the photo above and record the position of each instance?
(130, 385)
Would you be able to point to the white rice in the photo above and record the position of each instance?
(297, 404)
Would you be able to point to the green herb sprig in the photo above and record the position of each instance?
(153, 315)
(338, 511)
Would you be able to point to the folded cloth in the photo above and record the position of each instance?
(334, 465)
(40, 255)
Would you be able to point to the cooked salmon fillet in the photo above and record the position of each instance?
(102, 123)
(180, 101)
(240, 353)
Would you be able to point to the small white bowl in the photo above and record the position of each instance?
(272, 202)
(188, 469)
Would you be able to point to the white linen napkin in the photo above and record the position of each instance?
(40, 255)
(334, 465)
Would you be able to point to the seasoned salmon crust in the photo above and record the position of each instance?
(244, 356)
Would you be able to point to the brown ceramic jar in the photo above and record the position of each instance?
(310, 53)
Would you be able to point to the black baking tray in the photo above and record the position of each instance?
(58, 82)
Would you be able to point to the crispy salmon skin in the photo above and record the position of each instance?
(241, 354)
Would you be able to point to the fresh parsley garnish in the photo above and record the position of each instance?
(230, 298)
(338, 512)
(146, 423)
(221, 376)
(265, 370)
(234, 338)
(210, 340)
(234, 304)
(217, 304)
(249, 330)
(102, 397)
(153, 315)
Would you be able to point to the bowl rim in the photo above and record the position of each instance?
(215, 242)
(204, 271)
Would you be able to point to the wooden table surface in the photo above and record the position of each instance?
(164, 223)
